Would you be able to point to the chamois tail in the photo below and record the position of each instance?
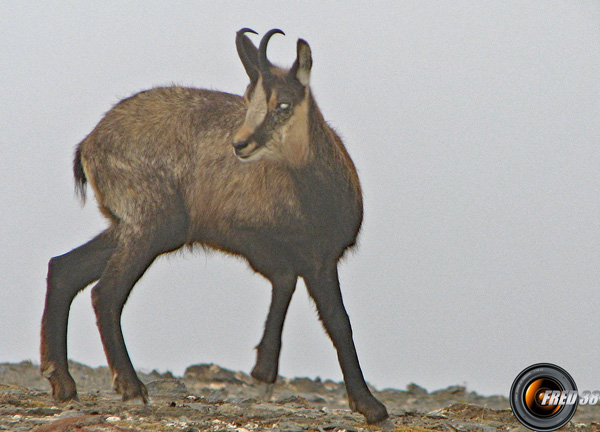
(80, 178)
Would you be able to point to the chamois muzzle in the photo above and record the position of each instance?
(244, 148)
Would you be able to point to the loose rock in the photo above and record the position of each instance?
(210, 398)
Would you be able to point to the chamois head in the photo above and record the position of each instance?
(277, 100)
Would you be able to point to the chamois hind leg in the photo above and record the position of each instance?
(324, 287)
(67, 275)
(136, 250)
(267, 357)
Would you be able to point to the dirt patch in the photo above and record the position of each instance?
(210, 398)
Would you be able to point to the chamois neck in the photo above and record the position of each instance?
(327, 148)
(329, 186)
(321, 138)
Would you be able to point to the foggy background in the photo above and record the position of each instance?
(475, 129)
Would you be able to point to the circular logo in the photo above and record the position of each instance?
(544, 397)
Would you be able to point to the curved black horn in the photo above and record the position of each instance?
(245, 30)
(263, 63)
(242, 44)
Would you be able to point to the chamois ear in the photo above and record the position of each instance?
(248, 53)
(303, 64)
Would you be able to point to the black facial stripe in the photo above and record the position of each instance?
(260, 135)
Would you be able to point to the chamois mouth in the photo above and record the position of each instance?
(247, 154)
(242, 157)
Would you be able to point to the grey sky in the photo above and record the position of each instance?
(475, 129)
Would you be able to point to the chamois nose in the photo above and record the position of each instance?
(241, 145)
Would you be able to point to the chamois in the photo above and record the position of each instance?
(261, 176)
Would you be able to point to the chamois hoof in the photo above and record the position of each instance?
(374, 411)
(385, 425)
(131, 390)
(63, 387)
(64, 392)
(264, 373)
(265, 380)
(266, 391)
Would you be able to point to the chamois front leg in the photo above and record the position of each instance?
(269, 348)
(67, 275)
(324, 287)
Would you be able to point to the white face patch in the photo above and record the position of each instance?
(257, 108)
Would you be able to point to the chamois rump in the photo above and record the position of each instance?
(261, 176)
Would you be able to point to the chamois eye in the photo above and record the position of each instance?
(282, 106)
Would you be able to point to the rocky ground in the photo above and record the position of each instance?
(209, 398)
